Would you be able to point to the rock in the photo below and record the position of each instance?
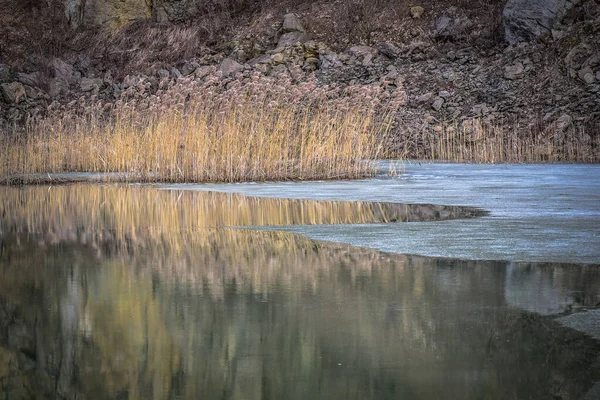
(330, 60)
(578, 55)
(165, 11)
(35, 93)
(417, 12)
(32, 79)
(392, 73)
(444, 94)
(262, 59)
(514, 71)
(525, 20)
(13, 92)
(110, 14)
(292, 38)
(424, 98)
(558, 34)
(451, 25)
(58, 87)
(587, 75)
(291, 23)
(364, 54)
(90, 84)
(277, 58)
(229, 66)
(480, 110)
(175, 73)
(388, 50)
(598, 76)
(437, 104)
(62, 70)
(5, 74)
(279, 70)
(311, 62)
(163, 73)
(188, 68)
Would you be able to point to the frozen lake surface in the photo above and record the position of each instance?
(541, 213)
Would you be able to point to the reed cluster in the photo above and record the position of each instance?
(251, 128)
(480, 142)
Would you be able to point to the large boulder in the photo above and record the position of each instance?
(291, 23)
(525, 20)
(112, 14)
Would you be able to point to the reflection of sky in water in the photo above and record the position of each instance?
(538, 212)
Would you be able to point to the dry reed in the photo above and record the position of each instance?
(478, 142)
(215, 130)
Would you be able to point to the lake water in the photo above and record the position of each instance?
(115, 291)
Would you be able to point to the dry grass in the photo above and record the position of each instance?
(476, 141)
(224, 130)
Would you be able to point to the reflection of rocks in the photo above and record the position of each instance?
(137, 320)
(108, 290)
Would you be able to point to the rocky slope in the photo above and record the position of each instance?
(533, 66)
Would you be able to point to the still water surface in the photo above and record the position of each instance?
(131, 292)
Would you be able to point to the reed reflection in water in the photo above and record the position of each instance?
(119, 292)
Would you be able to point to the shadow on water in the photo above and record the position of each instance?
(120, 292)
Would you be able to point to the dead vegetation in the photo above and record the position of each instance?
(251, 129)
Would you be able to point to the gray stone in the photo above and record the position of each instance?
(229, 66)
(90, 84)
(525, 20)
(587, 75)
(261, 59)
(424, 98)
(188, 68)
(480, 110)
(35, 93)
(5, 74)
(62, 70)
(291, 23)
(292, 38)
(163, 73)
(364, 54)
(13, 92)
(175, 73)
(444, 94)
(279, 69)
(58, 87)
(514, 71)
(388, 50)
(277, 58)
(452, 24)
(32, 79)
(311, 61)
(437, 104)
(330, 60)
(578, 55)
(392, 72)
